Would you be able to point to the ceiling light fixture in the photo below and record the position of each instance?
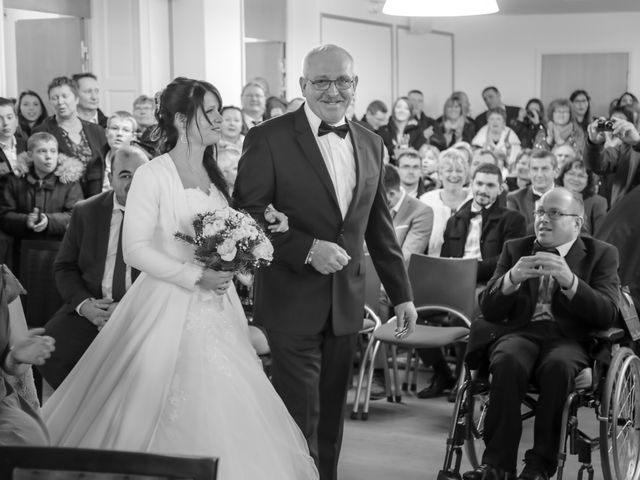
(439, 8)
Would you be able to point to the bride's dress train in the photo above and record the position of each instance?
(173, 370)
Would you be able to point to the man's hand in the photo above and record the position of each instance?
(428, 132)
(625, 131)
(329, 257)
(42, 225)
(595, 136)
(540, 264)
(98, 311)
(555, 266)
(406, 317)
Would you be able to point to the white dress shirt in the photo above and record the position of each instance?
(339, 159)
(10, 150)
(474, 233)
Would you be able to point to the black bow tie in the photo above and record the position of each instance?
(536, 197)
(325, 128)
(539, 248)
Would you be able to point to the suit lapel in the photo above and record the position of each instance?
(575, 255)
(103, 214)
(309, 146)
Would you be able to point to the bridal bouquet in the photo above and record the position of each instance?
(229, 240)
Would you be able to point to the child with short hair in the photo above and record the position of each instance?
(38, 202)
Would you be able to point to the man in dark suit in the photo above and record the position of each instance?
(477, 230)
(12, 144)
(543, 169)
(547, 294)
(89, 99)
(325, 174)
(492, 99)
(90, 273)
(375, 117)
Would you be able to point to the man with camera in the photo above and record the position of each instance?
(617, 164)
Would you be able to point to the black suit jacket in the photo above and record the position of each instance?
(499, 226)
(512, 114)
(79, 265)
(94, 174)
(522, 201)
(282, 164)
(593, 307)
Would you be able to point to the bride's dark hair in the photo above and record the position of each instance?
(186, 96)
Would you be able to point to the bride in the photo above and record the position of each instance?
(173, 370)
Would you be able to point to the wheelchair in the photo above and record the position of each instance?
(611, 387)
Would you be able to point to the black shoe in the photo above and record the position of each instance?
(488, 472)
(437, 387)
(378, 389)
(532, 473)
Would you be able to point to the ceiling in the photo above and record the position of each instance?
(545, 7)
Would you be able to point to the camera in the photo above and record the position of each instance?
(604, 125)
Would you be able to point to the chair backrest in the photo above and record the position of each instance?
(23, 463)
(372, 285)
(448, 282)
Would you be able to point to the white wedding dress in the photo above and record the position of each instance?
(173, 371)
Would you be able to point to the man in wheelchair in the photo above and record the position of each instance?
(547, 294)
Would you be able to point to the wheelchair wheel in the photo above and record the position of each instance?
(620, 418)
(477, 403)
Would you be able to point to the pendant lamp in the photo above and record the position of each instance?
(439, 8)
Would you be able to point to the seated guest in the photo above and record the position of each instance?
(564, 154)
(231, 128)
(618, 166)
(20, 423)
(581, 103)
(39, 203)
(477, 230)
(453, 171)
(144, 109)
(547, 295)
(429, 154)
(582, 183)
(253, 101)
(543, 169)
(453, 126)
(12, 143)
(493, 99)
(89, 270)
(227, 160)
(274, 107)
(121, 131)
(496, 136)
(562, 128)
(410, 171)
(412, 219)
(483, 156)
(89, 99)
(31, 112)
(520, 179)
(426, 124)
(529, 122)
(402, 131)
(375, 116)
(76, 137)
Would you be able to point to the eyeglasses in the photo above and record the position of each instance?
(553, 213)
(341, 83)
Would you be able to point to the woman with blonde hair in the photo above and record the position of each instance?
(453, 170)
(562, 128)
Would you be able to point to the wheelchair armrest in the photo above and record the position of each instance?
(611, 335)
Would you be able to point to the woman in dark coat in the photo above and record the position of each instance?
(76, 138)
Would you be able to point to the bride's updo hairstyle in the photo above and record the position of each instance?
(186, 96)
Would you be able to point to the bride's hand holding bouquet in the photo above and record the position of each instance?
(227, 241)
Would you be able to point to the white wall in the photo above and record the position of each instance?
(506, 50)
(501, 50)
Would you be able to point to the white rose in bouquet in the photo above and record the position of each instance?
(227, 250)
(222, 213)
(264, 250)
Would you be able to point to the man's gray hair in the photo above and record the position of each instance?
(323, 49)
